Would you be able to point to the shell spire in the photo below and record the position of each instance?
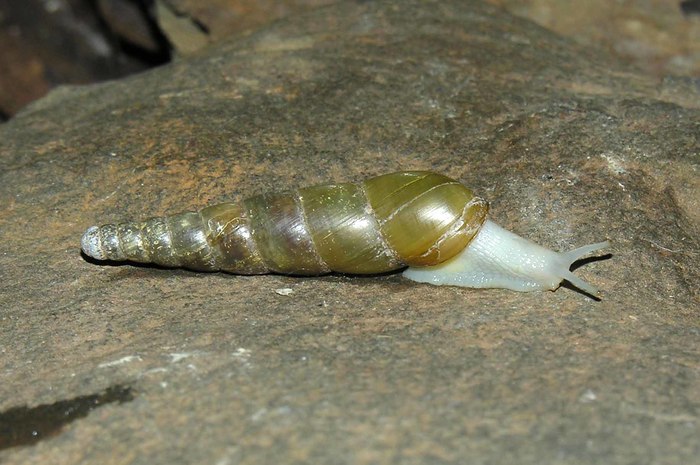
(413, 218)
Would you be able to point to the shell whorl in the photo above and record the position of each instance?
(413, 218)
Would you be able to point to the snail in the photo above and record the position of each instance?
(427, 222)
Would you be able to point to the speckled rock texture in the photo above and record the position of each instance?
(568, 146)
(217, 19)
(660, 36)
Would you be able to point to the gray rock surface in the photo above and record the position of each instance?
(570, 148)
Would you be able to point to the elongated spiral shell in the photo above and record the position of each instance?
(413, 218)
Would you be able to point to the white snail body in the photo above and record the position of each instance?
(425, 221)
(497, 258)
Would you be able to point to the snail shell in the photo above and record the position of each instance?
(433, 224)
